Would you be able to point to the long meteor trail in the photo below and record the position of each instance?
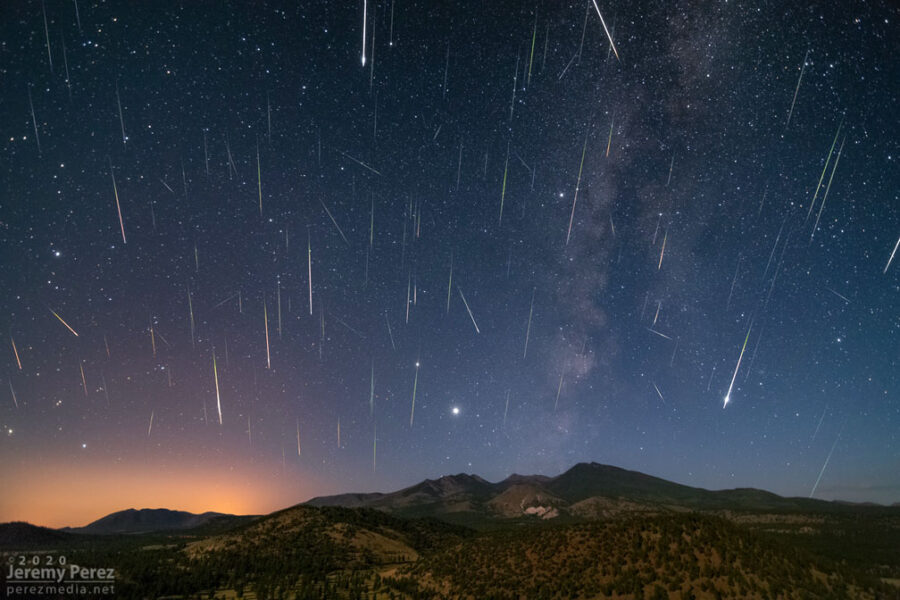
(602, 22)
(738, 366)
(75, 333)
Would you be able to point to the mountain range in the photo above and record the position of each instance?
(594, 531)
(586, 491)
(145, 520)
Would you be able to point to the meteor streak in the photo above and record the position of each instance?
(63, 322)
(609, 140)
(825, 466)
(218, 398)
(16, 352)
(528, 329)
(827, 188)
(37, 138)
(662, 252)
(577, 187)
(824, 168)
(558, 390)
(266, 320)
(503, 191)
(372, 390)
(450, 281)
(658, 392)
(83, 380)
(365, 18)
(121, 118)
(506, 409)
(891, 259)
(602, 22)
(468, 309)
(797, 89)
(738, 366)
(47, 36)
(658, 333)
(309, 267)
(412, 411)
(338, 227)
(360, 163)
(259, 177)
(118, 206)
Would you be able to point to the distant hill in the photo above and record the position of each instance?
(145, 520)
(586, 491)
(21, 534)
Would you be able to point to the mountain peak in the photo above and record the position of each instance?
(140, 520)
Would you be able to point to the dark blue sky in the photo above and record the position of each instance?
(694, 224)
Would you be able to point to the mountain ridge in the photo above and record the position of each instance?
(145, 520)
(586, 490)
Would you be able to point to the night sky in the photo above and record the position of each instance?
(558, 255)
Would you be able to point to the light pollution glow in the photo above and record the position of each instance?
(62, 493)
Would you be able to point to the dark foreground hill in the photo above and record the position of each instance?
(339, 553)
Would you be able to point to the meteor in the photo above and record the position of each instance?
(47, 36)
(824, 168)
(828, 458)
(391, 335)
(83, 380)
(360, 163)
(16, 352)
(602, 22)
(338, 227)
(365, 18)
(191, 313)
(577, 187)
(118, 206)
(450, 280)
(827, 188)
(558, 390)
(738, 366)
(63, 322)
(372, 390)
(259, 177)
(891, 259)
(266, 320)
(658, 392)
(609, 141)
(503, 191)
(121, 118)
(528, 329)
(309, 267)
(662, 252)
(506, 409)
(218, 398)
(468, 309)
(412, 411)
(797, 89)
(37, 138)
(658, 333)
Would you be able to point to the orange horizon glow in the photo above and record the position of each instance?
(60, 494)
